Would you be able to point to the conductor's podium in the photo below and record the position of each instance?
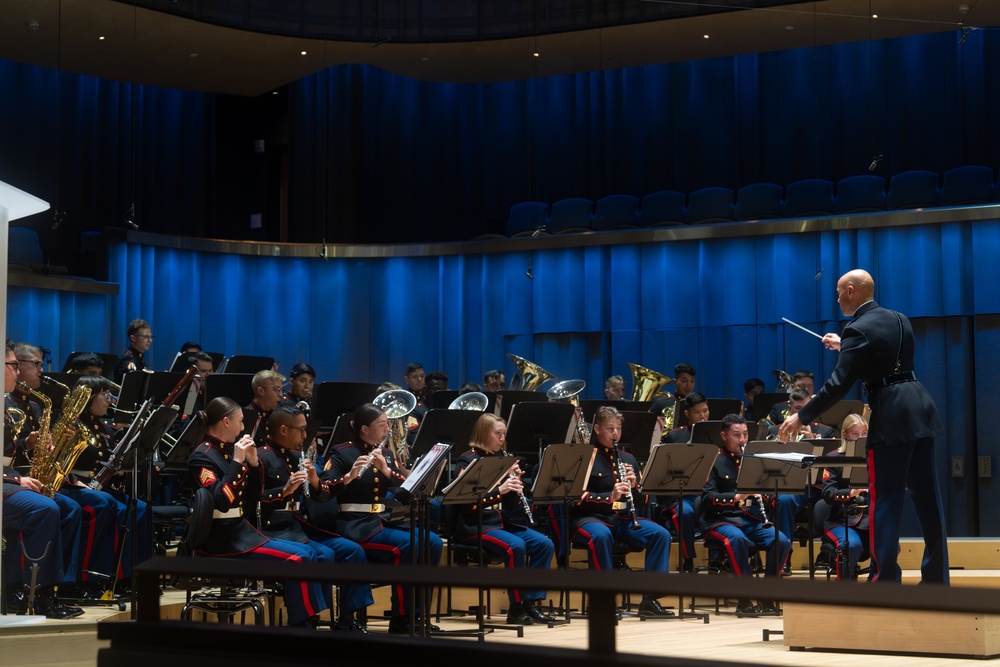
(896, 631)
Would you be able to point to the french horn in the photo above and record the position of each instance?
(530, 376)
(646, 383)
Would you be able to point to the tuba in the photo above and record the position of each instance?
(569, 389)
(530, 376)
(646, 383)
(67, 444)
(396, 403)
(474, 400)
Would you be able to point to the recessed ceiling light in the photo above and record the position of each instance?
(874, 16)
(705, 36)
(424, 59)
(274, 92)
(304, 53)
(536, 54)
(101, 38)
(194, 55)
(789, 27)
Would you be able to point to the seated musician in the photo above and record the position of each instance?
(301, 380)
(751, 388)
(606, 513)
(696, 410)
(140, 337)
(614, 388)
(520, 545)
(286, 471)
(98, 511)
(267, 393)
(120, 541)
(494, 380)
(796, 400)
(360, 474)
(737, 519)
(86, 363)
(36, 521)
(683, 385)
(415, 380)
(804, 380)
(230, 469)
(847, 503)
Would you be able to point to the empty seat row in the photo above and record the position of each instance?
(962, 186)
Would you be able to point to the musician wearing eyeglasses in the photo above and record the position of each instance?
(37, 522)
(140, 337)
(287, 471)
(737, 520)
(846, 527)
(98, 510)
(503, 517)
(607, 512)
(361, 474)
(268, 390)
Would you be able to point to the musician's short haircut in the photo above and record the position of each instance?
(266, 376)
(492, 376)
(412, 368)
(683, 368)
(693, 399)
(136, 325)
(732, 419)
(798, 395)
(200, 356)
(302, 368)
(284, 412)
(614, 381)
(607, 412)
(22, 349)
(81, 361)
(803, 374)
(752, 384)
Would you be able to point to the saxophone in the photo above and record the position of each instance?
(42, 455)
(67, 444)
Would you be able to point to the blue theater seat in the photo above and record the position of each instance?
(860, 194)
(664, 208)
(616, 212)
(759, 201)
(811, 196)
(710, 205)
(571, 215)
(964, 186)
(526, 217)
(914, 189)
(23, 247)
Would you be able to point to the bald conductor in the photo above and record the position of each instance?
(877, 347)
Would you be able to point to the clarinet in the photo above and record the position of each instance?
(520, 494)
(629, 502)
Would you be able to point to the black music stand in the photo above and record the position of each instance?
(453, 427)
(708, 432)
(478, 479)
(673, 468)
(562, 478)
(332, 399)
(416, 493)
(639, 434)
(244, 363)
(237, 386)
(508, 398)
(533, 425)
(763, 402)
(192, 436)
(342, 432)
(590, 405)
(135, 390)
(835, 415)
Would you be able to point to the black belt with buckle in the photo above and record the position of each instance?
(896, 378)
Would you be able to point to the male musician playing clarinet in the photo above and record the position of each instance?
(737, 519)
(606, 512)
(877, 347)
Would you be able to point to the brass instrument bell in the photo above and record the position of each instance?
(646, 383)
(530, 376)
(474, 400)
(395, 403)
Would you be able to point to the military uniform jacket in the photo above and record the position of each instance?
(233, 486)
(11, 478)
(255, 417)
(132, 360)
(33, 419)
(370, 489)
(837, 493)
(278, 515)
(678, 436)
(596, 504)
(901, 413)
(495, 505)
(718, 497)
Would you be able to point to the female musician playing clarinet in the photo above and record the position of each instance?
(360, 474)
(230, 470)
(519, 545)
(846, 503)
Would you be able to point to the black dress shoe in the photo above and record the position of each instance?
(768, 607)
(518, 615)
(400, 625)
(688, 565)
(46, 604)
(747, 608)
(652, 607)
(310, 623)
(787, 570)
(350, 625)
(536, 613)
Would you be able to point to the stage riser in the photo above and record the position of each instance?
(896, 631)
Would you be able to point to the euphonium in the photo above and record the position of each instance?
(646, 383)
(67, 444)
(531, 376)
(570, 390)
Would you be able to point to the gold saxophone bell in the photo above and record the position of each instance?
(530, 376)
(646, 383)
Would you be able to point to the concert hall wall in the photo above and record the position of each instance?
(716, 303)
